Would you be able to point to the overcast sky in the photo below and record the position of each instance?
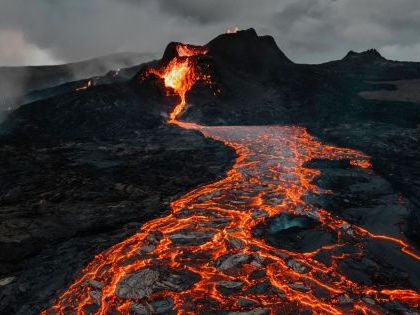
(311, 31)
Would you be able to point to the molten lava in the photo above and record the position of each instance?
(203, 256)
(189, 51)
(181, 74)
(361, 163)
(85, 87)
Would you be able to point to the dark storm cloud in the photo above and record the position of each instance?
(307, 30)
(216, 11)
(311, 20)
(202, 11)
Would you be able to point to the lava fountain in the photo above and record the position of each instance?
(180, 74)
(203, 258)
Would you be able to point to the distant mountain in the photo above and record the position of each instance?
(367, 56)
(371, 65)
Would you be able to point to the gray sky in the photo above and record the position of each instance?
(312, 31)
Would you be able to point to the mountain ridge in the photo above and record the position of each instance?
(18, 81)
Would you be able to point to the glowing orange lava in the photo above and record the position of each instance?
(189, 51)
(268, 178)
(181, 74)
(361, 163)
(208, 237)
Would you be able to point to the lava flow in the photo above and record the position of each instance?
(88, 85)
(181, 74)
(204, 258)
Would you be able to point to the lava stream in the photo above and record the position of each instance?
(208, 238)
(203, 257)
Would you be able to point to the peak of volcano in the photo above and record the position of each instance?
(367, 56)
(246, 44)
(247, 51)
(243, 50)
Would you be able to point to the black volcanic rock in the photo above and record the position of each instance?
(254, 83)
(170, 52)
(298, 233)
(114, 76)
(368, 56)
(17, 82)
(246, 51)
(63, 203)
(371, 65)
(100, 111)
(246, 69)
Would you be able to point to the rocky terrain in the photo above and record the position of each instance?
(336, 101)
(397, 91)
(362, 198)
(63, 203)
(76, 179)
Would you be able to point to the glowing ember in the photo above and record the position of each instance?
(189, 51)
(85, 87)
(232, 30)
(209, 234)
(361, 163)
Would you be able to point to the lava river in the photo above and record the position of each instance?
(202, 258)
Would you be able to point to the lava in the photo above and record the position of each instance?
(85, 87)
(203, 256)
(216, 222)
(180, 74)
(232, 30)
(361, 163)
(189, 50)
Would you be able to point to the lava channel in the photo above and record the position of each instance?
(194, 258)
(203, 257)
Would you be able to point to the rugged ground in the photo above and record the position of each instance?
(25, 84)
(343, 102)
(62, 204)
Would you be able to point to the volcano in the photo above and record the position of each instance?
(220, 179)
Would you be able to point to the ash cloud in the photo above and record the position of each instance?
(309, 31)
